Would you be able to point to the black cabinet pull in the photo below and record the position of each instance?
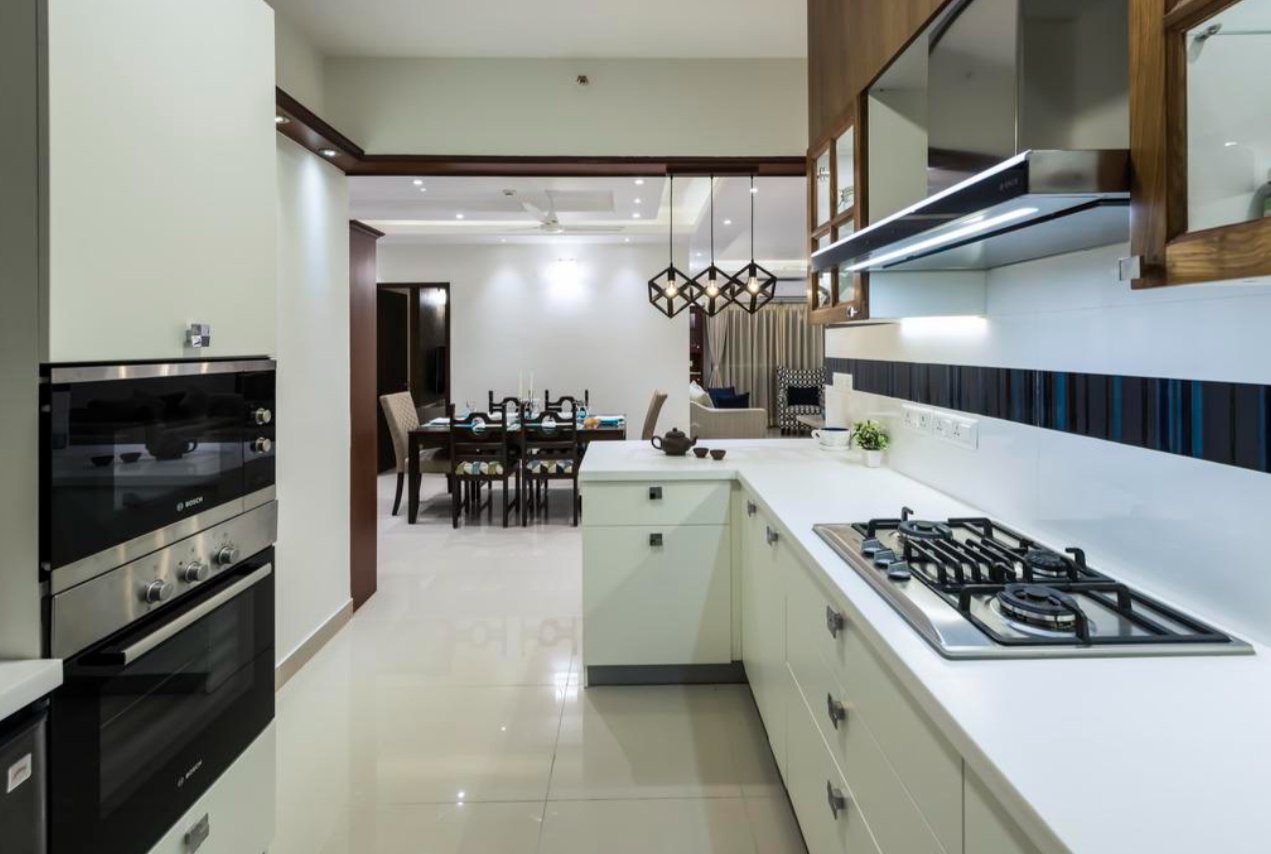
(750, 508)
(834, 621)
(772, 535)
(836, 798)
(655, 493)
(837, 711)
(655, 540)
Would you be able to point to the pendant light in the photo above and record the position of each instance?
(753, 287)
(668, 290)
(711, 289)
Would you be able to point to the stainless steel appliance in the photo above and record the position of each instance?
(23, 783)
(974, 588)
(157, 531)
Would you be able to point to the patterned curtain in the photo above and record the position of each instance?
(745, 350)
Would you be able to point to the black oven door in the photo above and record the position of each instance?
(147, 720)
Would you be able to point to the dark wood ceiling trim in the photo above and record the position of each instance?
(358, 225)
(307, 129)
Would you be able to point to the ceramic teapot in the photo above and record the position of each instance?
(673, 444)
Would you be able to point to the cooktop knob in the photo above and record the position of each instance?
(262, 416)
(156, 591)
(195, 571)
(262, 445)
(226, 554)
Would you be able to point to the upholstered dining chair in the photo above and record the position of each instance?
(482, 453)
(551, 452)
(399, 411)
(651, 417)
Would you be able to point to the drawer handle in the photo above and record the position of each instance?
(836, 710)
(836, 798)
(751, 508)
(772, 535)
(655, 493)
(834, 621)
(655, 540)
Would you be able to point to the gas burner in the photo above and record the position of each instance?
(1046, 563)
(1040, 606)
(921, 529)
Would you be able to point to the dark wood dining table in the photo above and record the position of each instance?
(431, 435)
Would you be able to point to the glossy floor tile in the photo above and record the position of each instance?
(448, 716)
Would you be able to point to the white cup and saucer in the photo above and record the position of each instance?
(833, 438)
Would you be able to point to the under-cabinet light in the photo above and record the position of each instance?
(973, 227)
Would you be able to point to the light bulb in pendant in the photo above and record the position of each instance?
(712, 288)
(753, 284)
(670, 291)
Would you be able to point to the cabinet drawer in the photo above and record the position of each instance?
(657, 595)
(813, 778)
(676, 502)
(927, 765)
(897, 823)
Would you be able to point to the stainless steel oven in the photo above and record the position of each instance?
(149, 716)
(136, 456)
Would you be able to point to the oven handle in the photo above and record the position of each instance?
(171, 629)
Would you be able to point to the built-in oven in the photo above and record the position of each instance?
(150, 715)
(136, 456)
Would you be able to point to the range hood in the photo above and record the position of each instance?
(1033, 205)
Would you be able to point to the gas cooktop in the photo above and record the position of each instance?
(976, 589)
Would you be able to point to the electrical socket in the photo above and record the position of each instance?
(966, 432)
(917, 418)
(943, 426)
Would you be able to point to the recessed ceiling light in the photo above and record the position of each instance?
(626, 240)
(639, 201)
(281, 120)
(754, 189)
(698, 254)
(503, 240)
(728, 222)
(458, 216)
(635, 215)
(423, 189)
(639, 182)
(328, 152)
(1231, 144)
(419, 182)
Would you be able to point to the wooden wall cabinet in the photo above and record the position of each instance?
(1199, 200)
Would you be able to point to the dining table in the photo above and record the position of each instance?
(436, 434)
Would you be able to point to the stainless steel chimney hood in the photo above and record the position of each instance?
(1034, 205)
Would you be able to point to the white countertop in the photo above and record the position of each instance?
(24, 682)
(1159, 754)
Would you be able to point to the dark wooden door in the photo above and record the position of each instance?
(362, 406)
(392, 362)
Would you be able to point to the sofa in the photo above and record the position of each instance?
(709, 422)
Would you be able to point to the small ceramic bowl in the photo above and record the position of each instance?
(701, 453)
(718, 454)
(103, 461)
(130, 456)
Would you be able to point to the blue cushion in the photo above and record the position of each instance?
(722, 392)
(734, 401)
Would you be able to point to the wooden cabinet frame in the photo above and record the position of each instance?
(857, 308)
(1170, 254)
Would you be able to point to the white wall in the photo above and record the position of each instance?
(1165, 522)
(298, 66)
(533, 107)
(161, 177)
(515, 308)
(313, 393)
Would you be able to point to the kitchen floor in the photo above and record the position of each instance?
(448, 717)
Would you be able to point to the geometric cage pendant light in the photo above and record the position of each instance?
(712, 289)
(753, 287)
(668, 290)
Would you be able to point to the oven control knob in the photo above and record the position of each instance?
(226, 554)
(262, 445)
(262, 416)
(156, 591)
(195, 571)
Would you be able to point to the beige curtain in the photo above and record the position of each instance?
(745, 350)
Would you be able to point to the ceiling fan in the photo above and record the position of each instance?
(549, 221)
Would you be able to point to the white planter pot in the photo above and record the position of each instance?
(873, 459)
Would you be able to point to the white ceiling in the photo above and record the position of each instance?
(493, 212)
(610, 29)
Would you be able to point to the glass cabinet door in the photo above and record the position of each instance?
(845, 172)
(823, 185)
(823, 282)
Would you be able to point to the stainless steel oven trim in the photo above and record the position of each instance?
(87, 568)
(261, 496)
(151, 370)
(171, 629)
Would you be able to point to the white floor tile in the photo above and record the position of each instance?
(697, 826)
(438, 829)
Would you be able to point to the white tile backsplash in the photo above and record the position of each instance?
(1163, 522)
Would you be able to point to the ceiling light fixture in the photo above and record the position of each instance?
(419, 182)
(637, 201)
(753, 287)
(711, 289)
(728, 222)
(459, 216)
(639, 182)
(635, 215)
(753, 189)
(667, 289)
(328, 152)
(423, 189)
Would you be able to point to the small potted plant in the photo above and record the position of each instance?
(871, 438)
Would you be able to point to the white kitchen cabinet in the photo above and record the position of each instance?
(989, 828)
(814, 782)
(657, 580)
(763, 621)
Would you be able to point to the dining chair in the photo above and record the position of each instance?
(482, 453)
(402, 417)
(651, 417)
(548, 403)
(551, 452)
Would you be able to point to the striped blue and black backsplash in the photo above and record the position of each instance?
(1222, 422)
